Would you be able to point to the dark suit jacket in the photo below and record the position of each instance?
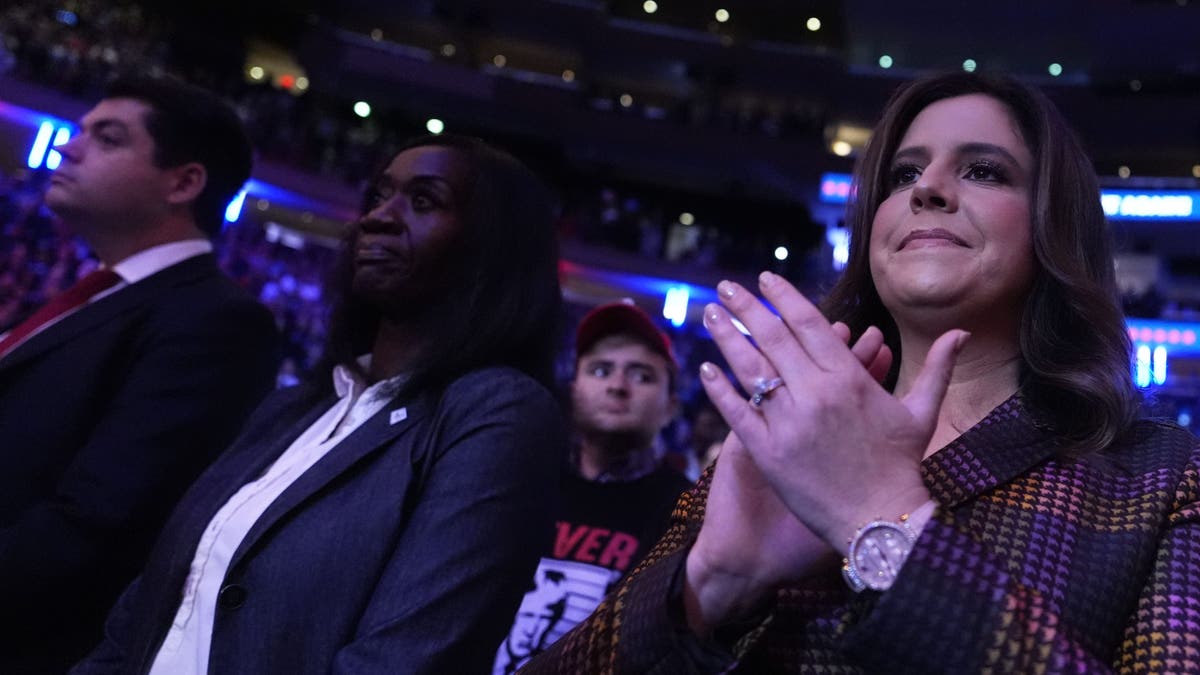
(105, 418)
(405, 549)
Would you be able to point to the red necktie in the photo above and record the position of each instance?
(60, 304)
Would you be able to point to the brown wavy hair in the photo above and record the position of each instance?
(1075, 352)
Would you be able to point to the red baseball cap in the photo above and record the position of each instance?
(622, 318)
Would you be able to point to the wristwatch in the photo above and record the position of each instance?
(877, 551)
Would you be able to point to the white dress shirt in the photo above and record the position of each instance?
(185, 650)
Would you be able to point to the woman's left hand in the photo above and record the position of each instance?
(837, 447)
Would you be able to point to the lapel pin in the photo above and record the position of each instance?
(399, 415)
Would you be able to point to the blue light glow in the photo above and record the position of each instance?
(1158, 370)
(54, 157)
(835, 188)
(234, 210)
(676, 304)
(37, 154)
(1141, 369)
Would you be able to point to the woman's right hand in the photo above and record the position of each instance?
(750, 543)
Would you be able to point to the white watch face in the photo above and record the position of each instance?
(879, 552)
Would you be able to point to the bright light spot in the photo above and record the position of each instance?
(839, 239)
(449, 50)
(377, 35)
(54, 157)
(287, 81)
(650, 6)
(1135, 85)
(1055, 69)
(568, 75)
(1141, 371)
(626, 100)
(1123, 171)
(722, 15)
(362, 109)
(499, 60)
(301, 83)
(813, 24)
(38, 152)
(434, 126)
(234, 210)
(969, 65)
(841, 148)
(781, 253)
(257, 73)
(1184, 419)
(675, 305)
(1196, 171)
(686, 218)
(1158, 373)
(885, 61)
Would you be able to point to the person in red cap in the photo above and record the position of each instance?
(617, 494)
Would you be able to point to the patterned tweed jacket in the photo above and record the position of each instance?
(1031, 564)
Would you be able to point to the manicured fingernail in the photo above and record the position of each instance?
(962, 340)
(708, 371)
(726, 289)
(711, 314)
(766, 279)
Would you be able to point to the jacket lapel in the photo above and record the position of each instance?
(83, 321)
(999, 448)
(391, 422)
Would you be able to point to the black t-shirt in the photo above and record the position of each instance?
(603, 531)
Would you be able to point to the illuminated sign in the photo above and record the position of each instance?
(1150, 204)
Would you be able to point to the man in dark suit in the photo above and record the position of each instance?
(109, 409)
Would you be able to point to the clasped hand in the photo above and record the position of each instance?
(818, 457)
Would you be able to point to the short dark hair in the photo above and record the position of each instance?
(191, 124)
(504, 305)
(1074, 346)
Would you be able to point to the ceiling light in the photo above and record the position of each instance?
(686, 218)
(969, 65)
(813, 24)
(434, 126)
(1055, 69)
(650, 6)
(885, 61)
(362, 109)
(722, 15)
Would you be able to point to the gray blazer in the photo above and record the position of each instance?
(406, 549)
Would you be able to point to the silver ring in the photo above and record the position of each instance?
(763, 389)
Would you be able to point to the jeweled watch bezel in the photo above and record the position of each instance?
(872, 535)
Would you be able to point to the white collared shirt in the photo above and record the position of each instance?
(185, 650)
(135, 268)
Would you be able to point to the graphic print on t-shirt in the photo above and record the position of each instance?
(566, 593)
